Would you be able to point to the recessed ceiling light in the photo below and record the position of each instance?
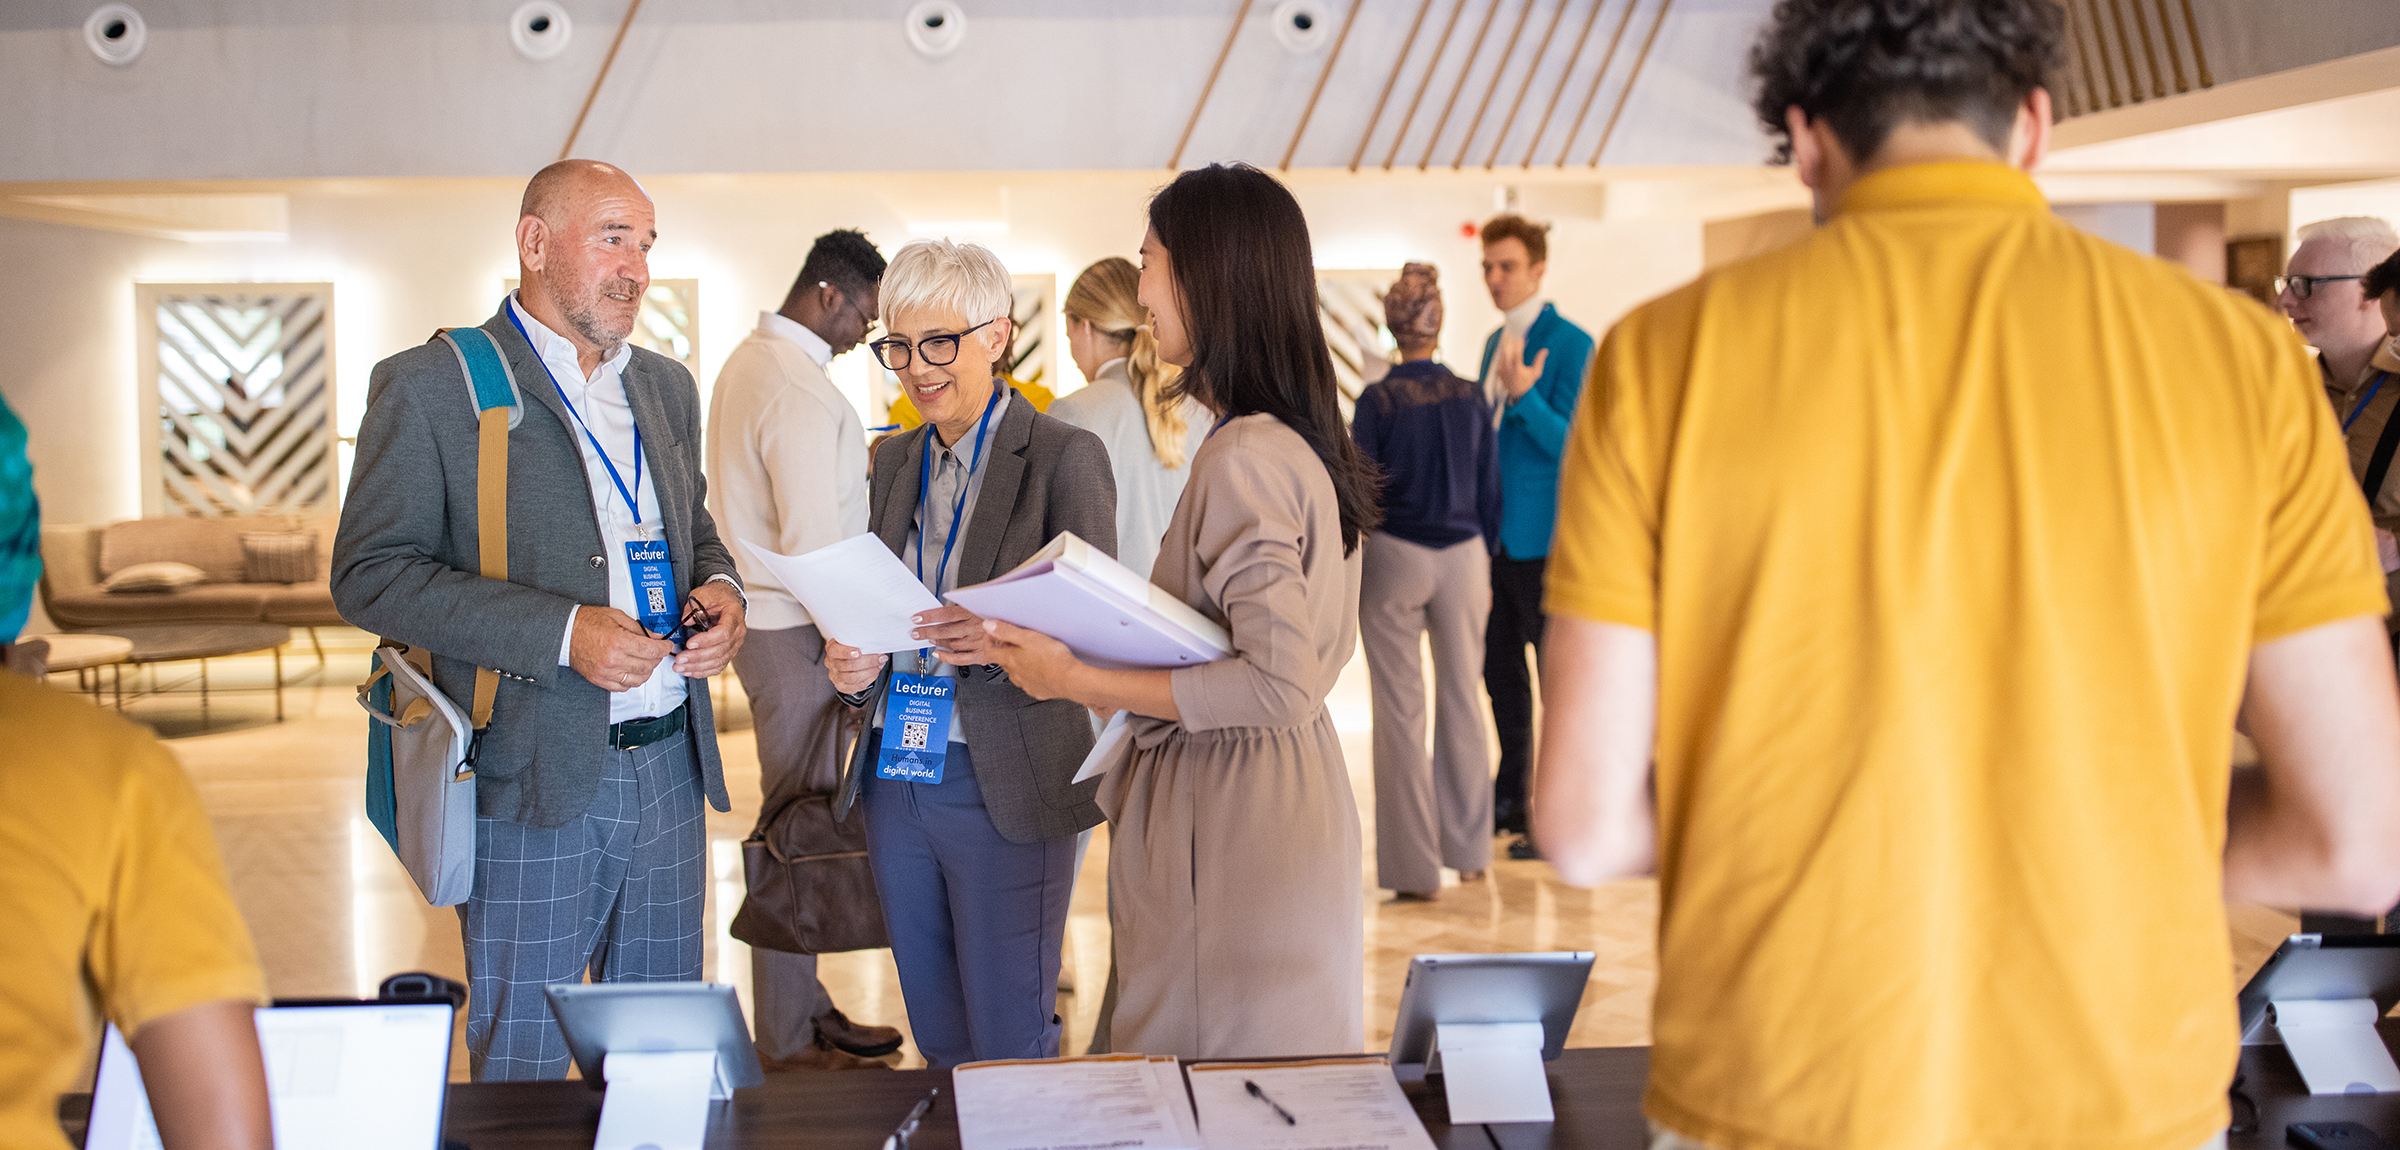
(115, 33)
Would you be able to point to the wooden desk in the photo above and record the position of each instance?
(1598, 1097)
(1597, 1092)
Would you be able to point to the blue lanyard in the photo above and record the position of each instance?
(2361, 409)
(959, 510)
(633, 501)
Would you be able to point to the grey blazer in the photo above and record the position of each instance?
(1042, 477)
(405, 560)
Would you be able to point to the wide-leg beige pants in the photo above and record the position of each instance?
(1431, 810)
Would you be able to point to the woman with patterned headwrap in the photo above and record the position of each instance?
(1427, 571)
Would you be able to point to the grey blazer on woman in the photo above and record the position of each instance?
(1042, 477)
(406, 563)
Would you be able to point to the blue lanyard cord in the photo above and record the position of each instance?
(958, 511)
(2361, 409)
(633, 503)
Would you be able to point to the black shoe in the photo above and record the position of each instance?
(1508, 817)
(836, 1028)
(1523, 849)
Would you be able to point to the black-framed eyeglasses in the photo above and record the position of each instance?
(695, 620)
(939, 350)
(851, 304)
(2303, 287)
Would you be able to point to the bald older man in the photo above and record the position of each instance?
(588, 785)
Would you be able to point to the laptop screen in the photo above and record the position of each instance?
(361, 1075)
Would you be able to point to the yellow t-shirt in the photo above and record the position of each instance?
(1955, 527)
(112, 897)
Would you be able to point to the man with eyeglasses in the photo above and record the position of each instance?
(2321, 292)
(787, 464)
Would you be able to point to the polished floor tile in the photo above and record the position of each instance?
(334, 913)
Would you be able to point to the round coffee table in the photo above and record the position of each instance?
(80, 653)
(171, 642)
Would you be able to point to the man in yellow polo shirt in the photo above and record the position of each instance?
(1908, 581)
(112, 901)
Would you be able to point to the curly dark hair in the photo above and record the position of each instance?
(844, 258)
(1867, 66)
(2383, 278)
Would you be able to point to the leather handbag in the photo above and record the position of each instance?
(811, 890)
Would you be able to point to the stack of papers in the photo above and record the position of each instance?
(1320, 1104)
(1074, 593)
(1119, 1101)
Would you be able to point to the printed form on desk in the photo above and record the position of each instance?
(1101, 1102)
(1319, 1104)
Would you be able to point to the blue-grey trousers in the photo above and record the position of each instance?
(976, 920)
(616, 893)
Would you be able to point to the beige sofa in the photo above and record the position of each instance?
(76, 560)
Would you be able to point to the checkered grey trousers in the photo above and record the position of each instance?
(615, 893)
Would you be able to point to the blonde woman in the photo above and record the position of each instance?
(1150, 437)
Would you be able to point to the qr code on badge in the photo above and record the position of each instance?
(658, 600)
(913, 735)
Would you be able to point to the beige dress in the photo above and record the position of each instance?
(1234, 841)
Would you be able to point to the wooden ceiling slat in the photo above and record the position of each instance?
(1540, 50)
(1608, 60)
(1176, 160)
(1435, 140)
(1565, 74)
(1398, 63)
(1499, 74)
(1331, 58)
(1424, 82)
(1625, 95)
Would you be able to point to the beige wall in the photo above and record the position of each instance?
(407, 257)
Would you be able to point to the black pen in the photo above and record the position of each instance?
(908, 1125)
(1261, 1095)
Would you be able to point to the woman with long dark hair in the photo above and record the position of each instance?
(1234, 840)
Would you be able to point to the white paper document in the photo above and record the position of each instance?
(1118, 1101)
(1108, 750)
(1074, 593)
(1321, 1104)
(858, 592)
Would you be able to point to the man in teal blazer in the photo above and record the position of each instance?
(1540, 361)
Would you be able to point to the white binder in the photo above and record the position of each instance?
(1108, 615)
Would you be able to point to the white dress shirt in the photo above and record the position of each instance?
(600, 400)
(787, 459)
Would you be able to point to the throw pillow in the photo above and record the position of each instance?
(279, 556)
(161, 576)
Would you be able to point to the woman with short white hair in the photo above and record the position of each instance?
(973, 850)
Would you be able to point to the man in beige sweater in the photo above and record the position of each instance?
(787, 468)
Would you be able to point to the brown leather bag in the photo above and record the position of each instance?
(811, 890)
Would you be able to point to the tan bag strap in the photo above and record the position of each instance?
(495, 393)
(491, 531)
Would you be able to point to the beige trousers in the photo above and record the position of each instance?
(1431, 810)
(798, 720)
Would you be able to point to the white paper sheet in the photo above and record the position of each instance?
(858, 592)
(1108, 750)
(1120, 1101)
(1337, 1104)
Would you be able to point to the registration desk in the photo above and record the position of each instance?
(1597, 1093)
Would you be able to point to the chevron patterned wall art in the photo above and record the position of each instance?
(238, 397)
